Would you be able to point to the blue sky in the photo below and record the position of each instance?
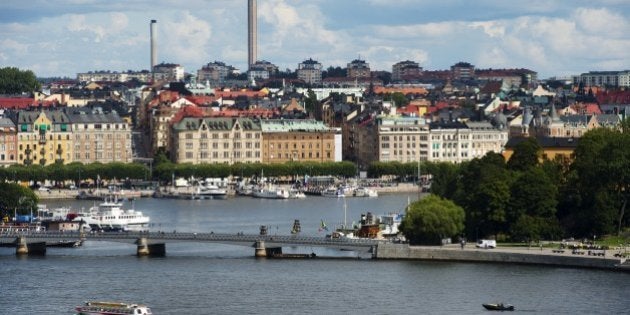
(552, 37)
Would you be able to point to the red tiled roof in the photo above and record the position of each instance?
(22, 103)
(188, 111)
(403, 90)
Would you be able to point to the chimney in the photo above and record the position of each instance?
(153, 48)
(252, 33)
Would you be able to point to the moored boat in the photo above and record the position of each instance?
(498, 307)
(333, 192)
(110, 215)
(112, 308)
(365, 192)
(270, 192)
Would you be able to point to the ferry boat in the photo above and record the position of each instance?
(110, 216)
(112, 308)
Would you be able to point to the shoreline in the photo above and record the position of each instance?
(503, 255)
(58, 194)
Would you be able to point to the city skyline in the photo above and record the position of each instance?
(62, 38)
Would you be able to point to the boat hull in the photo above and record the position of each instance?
(498, 307)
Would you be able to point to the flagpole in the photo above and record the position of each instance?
(345, 210)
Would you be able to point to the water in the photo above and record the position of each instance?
(223, 279)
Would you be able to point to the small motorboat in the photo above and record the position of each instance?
(498, 307)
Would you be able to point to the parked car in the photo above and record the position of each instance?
(486, 244)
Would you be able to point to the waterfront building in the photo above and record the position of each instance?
(310, 71)
(99, 136)
(402, 139)
(358, 69)
(456, 142)
(406, 70)
(43, 137)
(8, 142)
(216, 140)
(162, 72)
(297, 140)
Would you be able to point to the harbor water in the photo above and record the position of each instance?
(224, 279)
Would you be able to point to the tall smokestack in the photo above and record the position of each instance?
(153, 48)
(252, 32)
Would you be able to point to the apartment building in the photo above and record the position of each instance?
(402, 139)
(43, 137)
(310, 71)
(406, 69)
(297, 140)
(456, 142)
(99, 136)
(8, 142)
(216, 140)
(463, 71)
(214, 72)
(358, 69)
(604, 78)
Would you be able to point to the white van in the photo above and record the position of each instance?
(486, 244)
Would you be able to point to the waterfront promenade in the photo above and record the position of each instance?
(510, 255)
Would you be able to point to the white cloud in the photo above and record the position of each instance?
(601, 21)
(491, 28)
(187, 38)
(10, 44)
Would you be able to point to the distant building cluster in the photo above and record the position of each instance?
(353, 114)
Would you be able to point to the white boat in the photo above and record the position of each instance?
(365, 192)
(333, 192)
(389, 224)
(211, 192)
(109, 215)
(112, 308)
(270, 192)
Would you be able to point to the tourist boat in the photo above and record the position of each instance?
(498, 307)
(333, 192)
(365, 192)
(110, 216)
(270, 192)
(112, 308)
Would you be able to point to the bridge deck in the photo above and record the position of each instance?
(166, 237)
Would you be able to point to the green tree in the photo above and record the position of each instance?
(526, 154)
(310, 102)
(16, 81)
(431, 219)
(483, 190)
(602, 182)
(398, 98)
(16, 198)
(532, 206)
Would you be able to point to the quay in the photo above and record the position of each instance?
(504, 255)
(55, 193)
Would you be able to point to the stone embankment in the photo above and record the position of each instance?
(502, 255)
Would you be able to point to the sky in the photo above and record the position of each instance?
(551, 37)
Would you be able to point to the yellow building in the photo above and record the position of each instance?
(44, 137)
(552, 147)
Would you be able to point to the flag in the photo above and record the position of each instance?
(323, 226)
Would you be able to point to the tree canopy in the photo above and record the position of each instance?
(16, 198)
(16, 81)
(431, 219)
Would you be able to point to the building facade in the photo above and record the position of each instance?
(402, 139)
(358, 69)
(99, 136)
(405, 69)
(8, 142)
(216, 140)
(463, 71)
(214, 72)
(457, 142)
(297, 140)
(44, 137)
(310, 71)
(604, 78)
